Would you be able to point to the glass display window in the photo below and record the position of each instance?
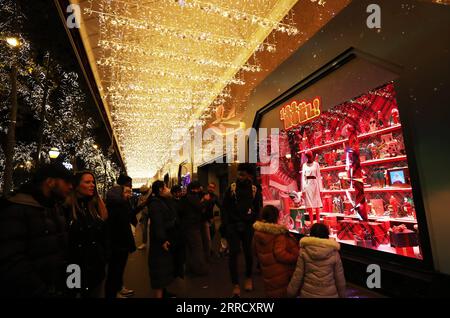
(347, 167)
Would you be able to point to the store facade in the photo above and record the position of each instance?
(369, 112)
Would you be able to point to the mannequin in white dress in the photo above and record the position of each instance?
(311, 187)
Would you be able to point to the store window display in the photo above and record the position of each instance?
(351, 168)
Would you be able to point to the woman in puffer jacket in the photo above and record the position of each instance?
(276, 251)
(319, 272)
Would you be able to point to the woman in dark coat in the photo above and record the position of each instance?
(163, 233)
(193, 206)
(87, 236)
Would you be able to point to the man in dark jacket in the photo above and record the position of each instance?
(33, 237)
(192, 207)
(241, 206)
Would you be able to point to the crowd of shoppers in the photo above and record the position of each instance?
(59, 218)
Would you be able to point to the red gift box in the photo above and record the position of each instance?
(364, 243)
(345, 235)
(347, 228)
(407, 238)
(327, 202)
(378, 231)
(330, 221)
(405, 251)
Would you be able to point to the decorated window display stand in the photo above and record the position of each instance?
(365, 190)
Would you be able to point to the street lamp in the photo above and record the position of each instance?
(53, 153)
(12, 41)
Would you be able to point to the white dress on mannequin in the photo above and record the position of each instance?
(311, 186)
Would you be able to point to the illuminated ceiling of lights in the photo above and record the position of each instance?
(161, 64)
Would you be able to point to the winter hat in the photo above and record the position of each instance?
(52, 170)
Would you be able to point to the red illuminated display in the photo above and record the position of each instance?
(365, 188)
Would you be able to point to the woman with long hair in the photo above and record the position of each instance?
(87, 213)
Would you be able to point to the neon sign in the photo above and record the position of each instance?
(297, 113)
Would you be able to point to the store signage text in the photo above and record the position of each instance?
(297, 113)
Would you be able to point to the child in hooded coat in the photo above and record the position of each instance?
(319, 272)
(276, 252)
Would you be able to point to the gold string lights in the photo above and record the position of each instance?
(166, 65)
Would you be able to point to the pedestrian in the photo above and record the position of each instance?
(177, 192)
(88, 244)
(319, 272)
(241, 206)
(121, 240)
(180, 249)
(33, 236)
(163, 233)
(208, 226)
(145, 193)
(126, 181)
(192, 207)
(277, 252)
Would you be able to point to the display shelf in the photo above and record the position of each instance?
(371, 218)
(381, 131)
(366, 163)
(362, 136)
(370, 190)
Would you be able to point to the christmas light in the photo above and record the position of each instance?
(110, 61)
(164, 68)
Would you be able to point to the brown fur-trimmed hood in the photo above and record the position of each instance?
(270, 228)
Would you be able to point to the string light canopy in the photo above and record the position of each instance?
(163, 66)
